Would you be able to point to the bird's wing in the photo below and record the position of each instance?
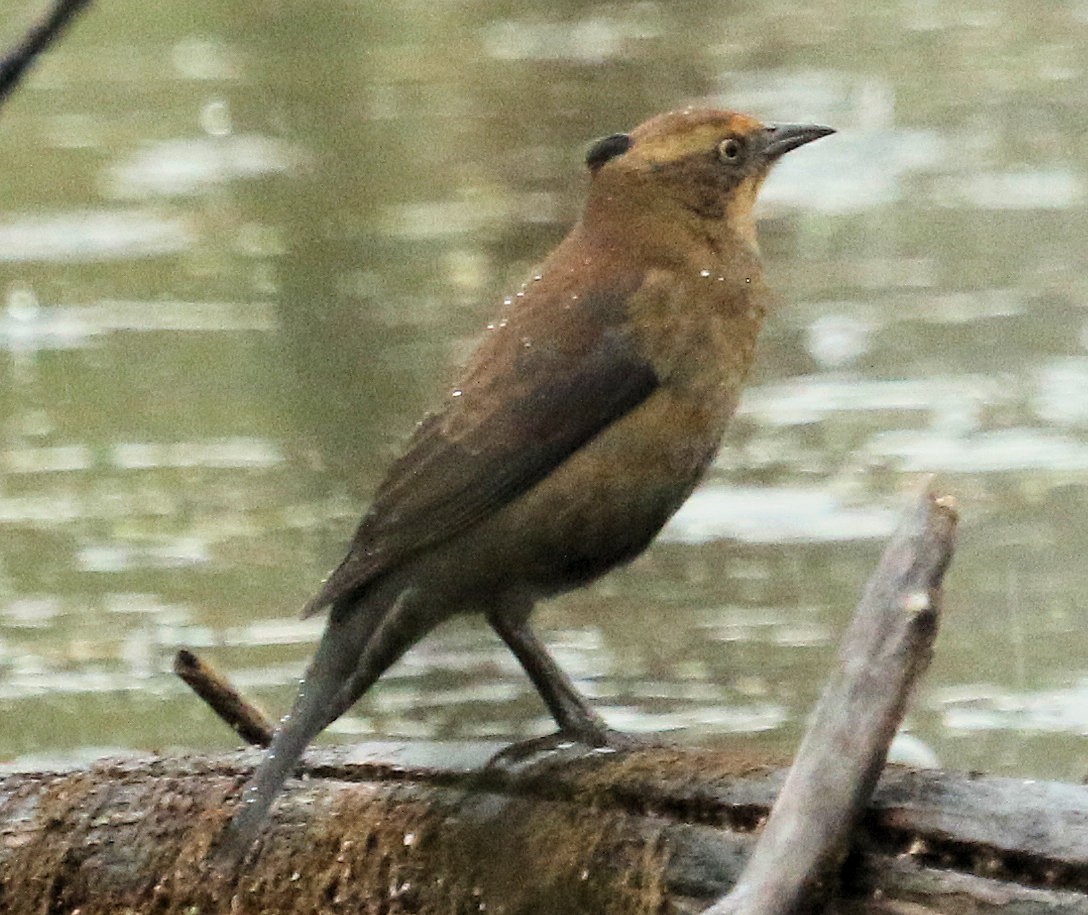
(544, 382)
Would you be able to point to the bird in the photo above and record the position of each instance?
(586, 416)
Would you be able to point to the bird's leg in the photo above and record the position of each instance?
(570, 709)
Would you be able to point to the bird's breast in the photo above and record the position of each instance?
(698, 328)
(608, 500)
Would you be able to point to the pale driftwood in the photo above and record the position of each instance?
(797, 859)
(651, 831)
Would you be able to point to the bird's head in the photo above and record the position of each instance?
(696, 167)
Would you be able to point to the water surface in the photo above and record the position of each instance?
(241, 248)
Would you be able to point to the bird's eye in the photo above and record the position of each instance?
(730, 150)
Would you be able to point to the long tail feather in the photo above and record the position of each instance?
(346, 635)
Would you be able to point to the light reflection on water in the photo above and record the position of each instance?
(88, 235)
(999, 451)
(987, 707)
(231, 274)
(179, 167)
(776, 515)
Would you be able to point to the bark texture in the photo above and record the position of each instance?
(650, 831)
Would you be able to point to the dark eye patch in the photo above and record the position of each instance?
(607, 148)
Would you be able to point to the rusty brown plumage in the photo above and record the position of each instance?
(587, 415)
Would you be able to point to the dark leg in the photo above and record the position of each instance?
(570, 709)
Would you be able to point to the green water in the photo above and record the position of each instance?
(241, 246)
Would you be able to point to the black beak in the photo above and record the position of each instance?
(783, 138)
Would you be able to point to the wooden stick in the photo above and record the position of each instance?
(245, 718)
(16, 62)
(797, 858)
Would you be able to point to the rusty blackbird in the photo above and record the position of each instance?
(587, 415)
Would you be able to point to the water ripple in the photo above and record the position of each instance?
(92, 235)
(177, 167)
(1000, 451)
(775, 514)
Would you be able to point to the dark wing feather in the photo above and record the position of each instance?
(505, 432)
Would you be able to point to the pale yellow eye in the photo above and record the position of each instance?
(730, 150)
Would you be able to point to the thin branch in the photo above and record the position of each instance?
(15, 63)
(797, 859)
(241, 715)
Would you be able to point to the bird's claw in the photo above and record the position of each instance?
(564, 745)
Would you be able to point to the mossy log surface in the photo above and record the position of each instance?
(431, 830)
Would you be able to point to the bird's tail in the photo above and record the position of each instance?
(359, 643)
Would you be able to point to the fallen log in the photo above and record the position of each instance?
(651, 830)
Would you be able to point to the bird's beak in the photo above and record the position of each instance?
(782, 138)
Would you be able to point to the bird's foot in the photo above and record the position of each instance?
(610, 739)
(563, 745)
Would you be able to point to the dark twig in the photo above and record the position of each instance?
(248, 721)
(796, 861)
(16, 62)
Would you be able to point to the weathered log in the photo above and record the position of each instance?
(663, 830)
